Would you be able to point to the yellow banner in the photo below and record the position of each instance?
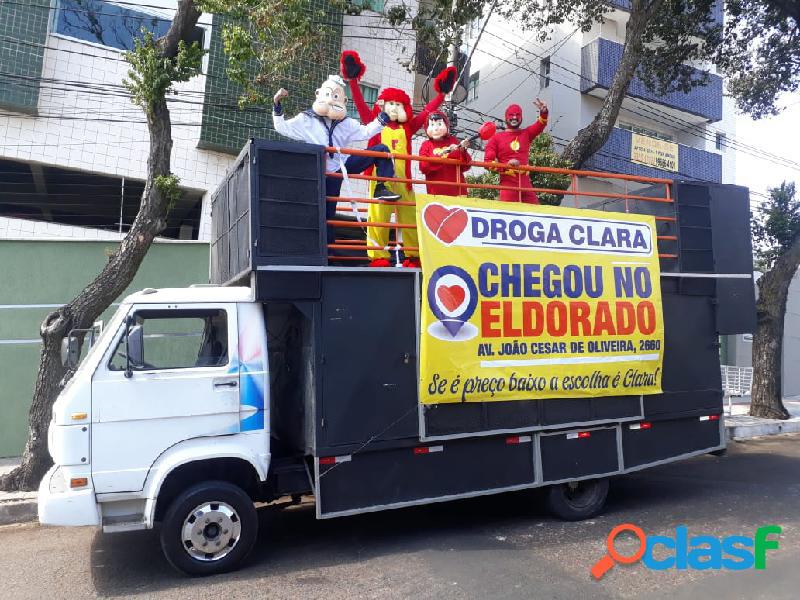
(523, 302)
(653, 152)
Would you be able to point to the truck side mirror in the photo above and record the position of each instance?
(134, 347)
(70, 350)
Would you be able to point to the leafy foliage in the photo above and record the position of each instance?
(761, 52)
(775, 225)
(541, 155)
(262, 39)
(169, 186)
(151, 74)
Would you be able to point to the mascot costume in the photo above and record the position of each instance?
(512, 146)
(397, 137)
(440, 144)
(326, 123)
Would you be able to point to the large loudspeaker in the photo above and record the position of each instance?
(269, 210)
(714, 238)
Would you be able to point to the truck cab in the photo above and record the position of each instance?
(175, 386)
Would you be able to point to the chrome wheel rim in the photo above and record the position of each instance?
(211, 531)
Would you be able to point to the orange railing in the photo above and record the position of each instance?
(349, 204)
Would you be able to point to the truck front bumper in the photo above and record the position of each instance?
(60, 505)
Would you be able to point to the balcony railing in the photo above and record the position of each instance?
(616, 154)
(600, 60)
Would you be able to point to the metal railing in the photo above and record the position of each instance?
(658, 194)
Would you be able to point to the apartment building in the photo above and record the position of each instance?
(573, 71)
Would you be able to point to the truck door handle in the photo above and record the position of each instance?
(229, 384)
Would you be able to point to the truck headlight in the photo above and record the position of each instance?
(58, 485)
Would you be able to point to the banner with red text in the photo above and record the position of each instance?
(523, 302)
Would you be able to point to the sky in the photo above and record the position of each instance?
(778, 135)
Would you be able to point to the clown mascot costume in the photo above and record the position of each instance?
(512, 147)
(397, 137)
(440, 144)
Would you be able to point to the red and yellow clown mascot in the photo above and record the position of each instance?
(440, 144)
(512, 146)
(397, 136)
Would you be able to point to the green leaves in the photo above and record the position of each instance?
(760, 53)
(775, 224)
(152, 74)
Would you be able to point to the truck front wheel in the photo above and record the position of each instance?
(577, 500)
(210, 528)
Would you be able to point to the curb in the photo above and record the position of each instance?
(744, 432)
(18, 508)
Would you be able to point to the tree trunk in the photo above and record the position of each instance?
(115, 277)
(773, 292)
(592, 137)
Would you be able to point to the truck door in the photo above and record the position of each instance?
(178, 383)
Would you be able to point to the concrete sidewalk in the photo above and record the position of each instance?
(741, 426)
(15, 507)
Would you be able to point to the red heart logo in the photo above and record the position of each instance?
(446, 224)
(452, 296)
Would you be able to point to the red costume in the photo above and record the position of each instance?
(442, 84)
(515, 143)
(442, 172)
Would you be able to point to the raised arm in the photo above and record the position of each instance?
(357, 132)
(443, 84)
(293, 128)
(353, 70)
(541, 122)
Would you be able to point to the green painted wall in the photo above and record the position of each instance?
(226, 128)
(23, 33)
(47, 273)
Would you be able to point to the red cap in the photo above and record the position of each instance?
(514, 109)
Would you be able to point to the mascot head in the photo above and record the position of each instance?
(513, 116)
(331, 100)
(437, 126)
(395, 103)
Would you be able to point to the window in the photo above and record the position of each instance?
(374, 5)
(721, 141)
(169, 339)
(110, 24)
(646, 131)
(370, 94)
(472, 86)
(544, 72)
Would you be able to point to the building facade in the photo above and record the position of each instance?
(573, 71)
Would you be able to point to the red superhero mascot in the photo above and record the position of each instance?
(440, 144)
(512, 146)
(396, 135)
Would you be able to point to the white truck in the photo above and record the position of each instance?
(296, 378)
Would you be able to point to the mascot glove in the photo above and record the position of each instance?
(351, 65)
(446, 81)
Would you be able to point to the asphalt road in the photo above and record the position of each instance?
(498, 547)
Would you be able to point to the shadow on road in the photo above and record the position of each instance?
(293, 542)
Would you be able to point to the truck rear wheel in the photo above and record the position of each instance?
(210, 528)
(577, 500)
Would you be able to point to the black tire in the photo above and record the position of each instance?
(233, 506)
(577, 500)
(720, 452)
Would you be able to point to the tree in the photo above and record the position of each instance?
(660, 37)
(155, 66)
(776, 237)
(541, 155)
(760, 53)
